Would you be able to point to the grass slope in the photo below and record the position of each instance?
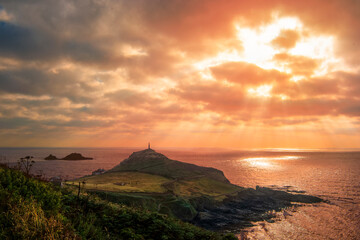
(203, 186)
(124, 182)
(177, 198)
(131, 182)
(31, 209)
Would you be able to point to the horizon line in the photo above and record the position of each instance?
(275, 149)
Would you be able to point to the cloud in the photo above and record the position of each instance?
(312, 99)
(350, 83)
(20, 42)
(312, 87)
(38, 82)
(131, 98)
(299, 65)
(286, 39)
(246, 73)
(112, 68)
(215, 97)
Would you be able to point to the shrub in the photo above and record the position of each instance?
(31, 209)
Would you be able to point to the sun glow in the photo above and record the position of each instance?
(258, 48)
(257, 42)
(222, 57)
(314, 47)
(261, 91)
(296, 78)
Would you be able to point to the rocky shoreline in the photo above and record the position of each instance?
(248, 206)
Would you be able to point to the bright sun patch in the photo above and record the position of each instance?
(257, 42)
(259, 48)
(261, 91)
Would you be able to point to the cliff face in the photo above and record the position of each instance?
(150, 161)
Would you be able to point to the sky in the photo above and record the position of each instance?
(204, 73)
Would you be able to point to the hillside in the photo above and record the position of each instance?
(150, 172)
(152, 162)
(33, 209)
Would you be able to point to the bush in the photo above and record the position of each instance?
(31, 209)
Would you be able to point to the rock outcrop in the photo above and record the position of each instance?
(76, 156)
(51, 157)
(249, 205)
(98, 172)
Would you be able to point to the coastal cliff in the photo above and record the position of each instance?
(200, 195)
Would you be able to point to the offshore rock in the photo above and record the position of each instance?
(76, 156)
(51, 157)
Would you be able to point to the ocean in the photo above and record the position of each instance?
(331, 175)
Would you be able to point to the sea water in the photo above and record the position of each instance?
(333, 176)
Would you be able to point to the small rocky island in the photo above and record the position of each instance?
(76, 156)
(51, 157)
(200, 195)
(70, 157)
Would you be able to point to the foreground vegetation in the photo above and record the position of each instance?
(34, 209)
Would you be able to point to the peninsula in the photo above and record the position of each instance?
(200, 195)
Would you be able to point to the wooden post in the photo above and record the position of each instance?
(79, 191)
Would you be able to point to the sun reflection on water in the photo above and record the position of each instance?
(267, 162)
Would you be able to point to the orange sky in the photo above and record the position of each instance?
(237, 74)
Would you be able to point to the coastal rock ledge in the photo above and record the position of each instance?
(248, 206)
